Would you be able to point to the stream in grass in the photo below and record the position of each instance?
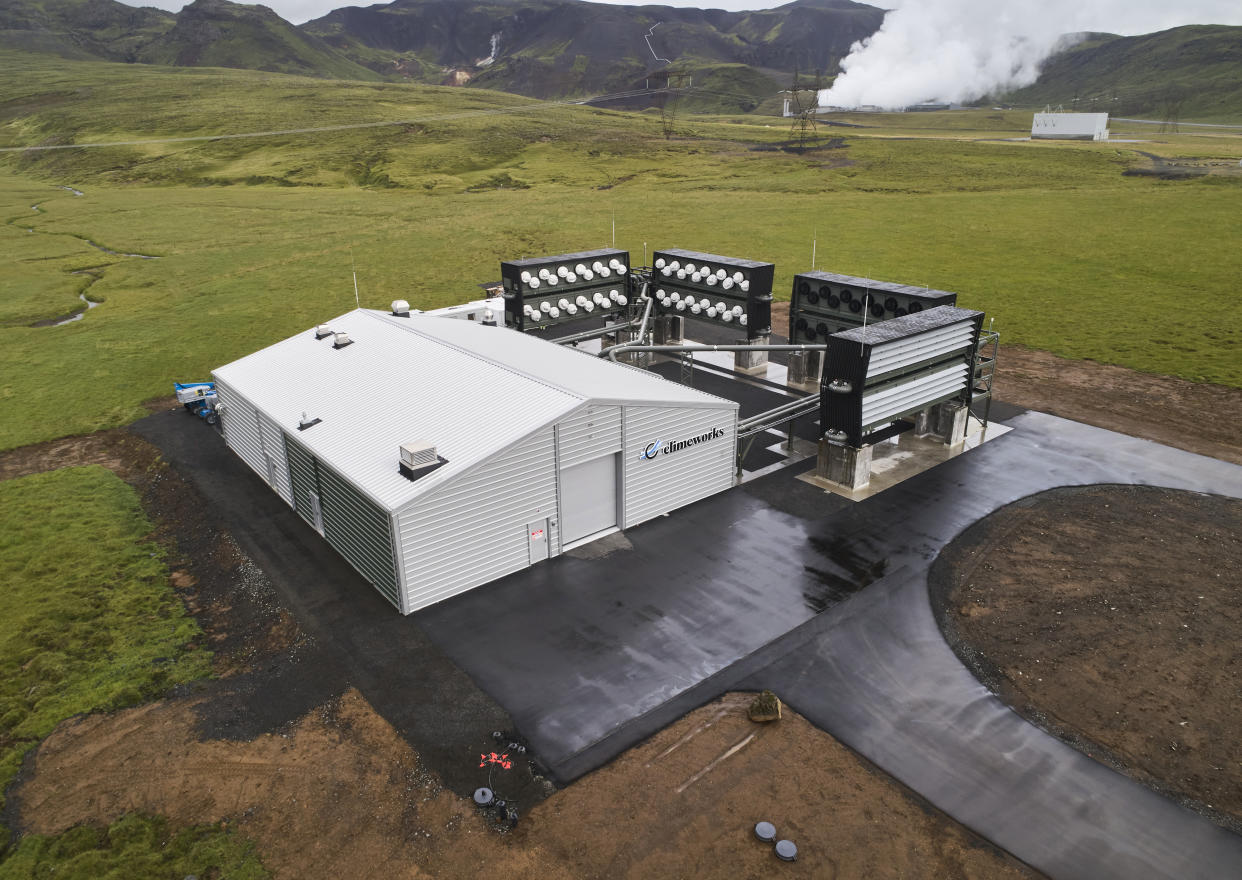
(94, 277)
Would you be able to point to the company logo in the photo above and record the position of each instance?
(658, 447)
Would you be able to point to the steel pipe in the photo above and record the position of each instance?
(622, 349)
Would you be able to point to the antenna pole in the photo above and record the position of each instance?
(813, 242)
(354, 271)
(866, 309)
(614, 230)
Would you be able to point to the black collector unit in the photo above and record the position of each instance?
(720, 290)
(824, 303)
(874, 376)
(542, 291)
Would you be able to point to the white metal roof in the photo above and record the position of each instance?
(469, 389)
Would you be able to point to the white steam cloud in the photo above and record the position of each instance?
(960, 50)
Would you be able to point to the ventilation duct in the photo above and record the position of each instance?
(418, 458)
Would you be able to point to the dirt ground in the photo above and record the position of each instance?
(1110, 616)
(1197, 417)
(342, 795)
(340, 792)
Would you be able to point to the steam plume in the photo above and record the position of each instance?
(960, 50)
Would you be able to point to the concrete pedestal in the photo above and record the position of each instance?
(804, 368)
(753, 363)
(848, 466)
(951, 419)
(626, 337)
(669, 329)
(925, 422)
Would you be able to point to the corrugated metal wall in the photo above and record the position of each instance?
(666, 482)
(473, 530)
(274, 447)
(358, 530)
(302, 475)
(241, 429)
(353, 525)
(589, 433)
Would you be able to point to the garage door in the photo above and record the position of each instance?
(588, 498)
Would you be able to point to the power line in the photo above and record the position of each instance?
(525, 108)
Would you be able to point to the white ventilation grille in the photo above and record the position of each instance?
(894, 400)
(890, 356)
(418, 454)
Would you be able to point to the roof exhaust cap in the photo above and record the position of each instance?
(418, 458)
(342, 340)
(400, 308)
(324, 330)
(307, 422)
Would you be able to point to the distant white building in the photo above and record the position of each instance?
(1070, 126)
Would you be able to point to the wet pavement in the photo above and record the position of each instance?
(774, 584)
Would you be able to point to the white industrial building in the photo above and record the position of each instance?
(436, 455)
(1070, 126)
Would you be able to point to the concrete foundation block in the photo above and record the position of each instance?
(925, 422)
(796, 372)
(669, 329)
(627, 337)
(848, 466)
(951, 419)
(804, 369)
(753, 363)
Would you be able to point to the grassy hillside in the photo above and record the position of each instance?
(217, 33)
(558, 48)
(254, 235)
(206, 33)
(80, 28)
(1194, 72)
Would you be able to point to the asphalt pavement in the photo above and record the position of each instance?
(772, 584)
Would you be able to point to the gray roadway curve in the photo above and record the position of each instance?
(876, 673)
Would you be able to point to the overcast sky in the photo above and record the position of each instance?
(1132, 17)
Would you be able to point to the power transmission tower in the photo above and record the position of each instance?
(675, 82)
(1172, 106)
(805, 129)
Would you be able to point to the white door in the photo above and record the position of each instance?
(537, 545)
(588, 498)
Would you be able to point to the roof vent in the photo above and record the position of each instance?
(307, 422)
(342, 340)
(323, 330)
(400, 308)
(419, 458)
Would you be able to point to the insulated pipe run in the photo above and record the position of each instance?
(791, 406)
(757, 424)
(612, 353)
(642, 329)
(591, 334)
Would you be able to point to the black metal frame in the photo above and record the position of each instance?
(823, 303)
(517, 295)
(848, 357)
(757, 301)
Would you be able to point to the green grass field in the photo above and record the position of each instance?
(254, 236)
(88, 620)
(133, 848)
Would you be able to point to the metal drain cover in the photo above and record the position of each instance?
(786, 850)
